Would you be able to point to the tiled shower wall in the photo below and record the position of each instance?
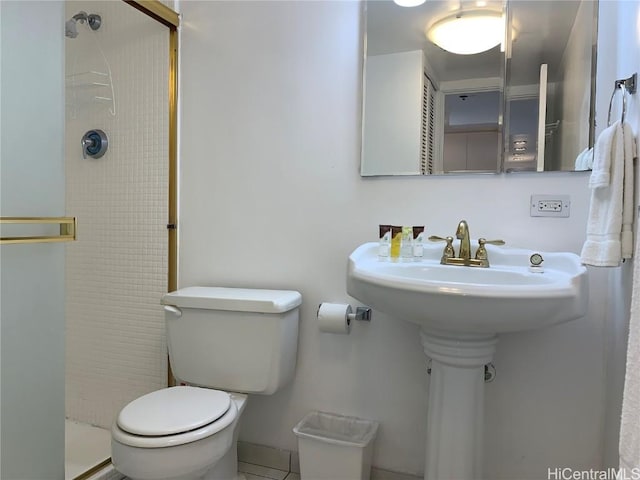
(117, 270)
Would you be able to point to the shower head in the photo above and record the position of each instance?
(70, 29)
(71, 26)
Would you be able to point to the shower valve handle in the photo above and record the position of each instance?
(86, 143)
(94, 144)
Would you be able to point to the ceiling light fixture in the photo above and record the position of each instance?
(409, 3)
(467, 33)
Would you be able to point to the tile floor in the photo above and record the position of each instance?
(258, 472)
(280, 461)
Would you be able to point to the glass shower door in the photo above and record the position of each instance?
(32, 274)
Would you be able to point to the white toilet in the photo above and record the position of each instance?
(241, 341)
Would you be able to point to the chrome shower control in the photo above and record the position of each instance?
(94, 144)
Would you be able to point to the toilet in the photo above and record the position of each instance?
(224, 344)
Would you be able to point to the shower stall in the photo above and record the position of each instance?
(116, 74)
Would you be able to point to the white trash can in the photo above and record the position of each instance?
(333, 447)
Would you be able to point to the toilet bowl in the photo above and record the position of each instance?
(220, 340)
(178, 433)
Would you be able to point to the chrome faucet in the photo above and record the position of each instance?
(464, 253)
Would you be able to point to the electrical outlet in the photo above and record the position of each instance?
(550, 205)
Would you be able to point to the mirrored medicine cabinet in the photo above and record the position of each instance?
(525, 105)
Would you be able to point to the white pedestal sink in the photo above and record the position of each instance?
(461, 310)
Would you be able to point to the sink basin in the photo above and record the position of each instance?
(461, 311)
(506, 297)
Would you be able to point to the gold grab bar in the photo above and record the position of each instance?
(68, 228)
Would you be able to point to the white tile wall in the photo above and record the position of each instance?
(116, 271)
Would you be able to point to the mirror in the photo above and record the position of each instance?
(525, 104)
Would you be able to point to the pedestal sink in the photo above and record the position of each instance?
(461, 310)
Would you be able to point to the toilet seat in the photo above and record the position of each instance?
(174, 416)
(173, 410)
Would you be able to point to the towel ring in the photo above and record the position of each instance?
(622, 87)
(627, 85)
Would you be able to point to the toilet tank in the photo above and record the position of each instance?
(235, 339)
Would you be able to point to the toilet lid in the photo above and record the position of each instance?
(173, 410)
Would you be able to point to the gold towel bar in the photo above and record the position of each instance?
(68, 228)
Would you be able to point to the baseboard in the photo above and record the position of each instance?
(380, 474)
(264, 456)
(268, 457)
(106, 473)
(289, 461)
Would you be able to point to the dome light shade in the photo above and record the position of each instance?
(409, 3)
(468, 33)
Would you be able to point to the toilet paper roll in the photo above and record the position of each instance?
(333, 318)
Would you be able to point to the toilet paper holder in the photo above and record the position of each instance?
(362, 313)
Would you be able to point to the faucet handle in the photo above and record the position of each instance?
(436, 238)
(483, 241)
(481, 253)
(448, 251)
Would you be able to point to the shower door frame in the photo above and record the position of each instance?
(171, 19)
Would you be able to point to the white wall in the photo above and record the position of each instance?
(393, 113)
(271, 196)
(618, 57)
(32, 276)
(576, 89)
(116, 271)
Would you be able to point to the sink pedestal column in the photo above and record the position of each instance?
(456, 404)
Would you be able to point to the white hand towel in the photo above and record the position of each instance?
(612, 194)
(584, 161)
(627, 199)
(579, 164)
(588, 159)
(603, 154)
(629, 447)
